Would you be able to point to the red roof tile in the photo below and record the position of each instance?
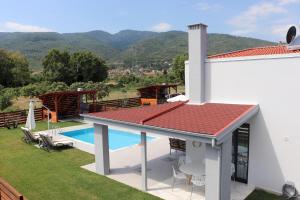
(259, 51)
(135, 115)
(209, 118)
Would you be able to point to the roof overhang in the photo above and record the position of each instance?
(222, 135)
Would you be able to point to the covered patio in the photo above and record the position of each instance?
(207, 130)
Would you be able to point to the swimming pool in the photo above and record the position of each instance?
(117, 139)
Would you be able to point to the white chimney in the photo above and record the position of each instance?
(195, 67)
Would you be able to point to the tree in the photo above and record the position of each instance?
(5, 69)
(32, 90)
(20, 70)
(5, 101)
(79, 67)
(57, 67)
(6, 96)
(35, 89)
(178, 67)
(14, 70)
(102, 89)
(88, 67)
(128, 79)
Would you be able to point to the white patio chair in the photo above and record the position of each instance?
(188, 159)
(181, 161)
(178, 176)
(197, 181)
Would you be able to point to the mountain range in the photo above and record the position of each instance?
(128, 47)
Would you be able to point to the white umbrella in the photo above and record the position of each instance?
(30, 122)
(178, 98)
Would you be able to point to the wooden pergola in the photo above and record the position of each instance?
(155, 94)
(67, 103)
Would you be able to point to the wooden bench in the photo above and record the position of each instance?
(177, 144)
(7, 192)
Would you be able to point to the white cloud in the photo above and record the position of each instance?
(17, 27)
(280, 30)
(162, 27)
(247, 22)
(205, 6)
(287, 2)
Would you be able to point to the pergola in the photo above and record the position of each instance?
(156, 93)
(210, 123)
(67, 103)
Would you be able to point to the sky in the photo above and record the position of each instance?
(263, 19)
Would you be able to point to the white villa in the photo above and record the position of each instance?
(240, 123)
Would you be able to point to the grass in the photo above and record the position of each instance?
(131, 92)
(120, 94)
(57, 175)
(262, 195)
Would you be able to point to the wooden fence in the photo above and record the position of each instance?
(19, 116)
(117, 103)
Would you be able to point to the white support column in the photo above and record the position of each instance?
(226, 169)
(101, 149)
(218, 171)
(144, 160)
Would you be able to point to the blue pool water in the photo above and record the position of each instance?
(117, 139)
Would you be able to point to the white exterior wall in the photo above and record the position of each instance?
(274, 133)
(187, 79)
(196, 153)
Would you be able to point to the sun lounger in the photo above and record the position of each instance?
(29, 137)
(47, 142)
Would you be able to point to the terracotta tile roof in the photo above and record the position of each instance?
(136, 115)
(209, 118)
(259, 51)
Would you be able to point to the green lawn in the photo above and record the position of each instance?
(57, 175)
(262, 195)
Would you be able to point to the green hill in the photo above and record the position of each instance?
(130, 47)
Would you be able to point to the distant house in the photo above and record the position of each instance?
(243, 106)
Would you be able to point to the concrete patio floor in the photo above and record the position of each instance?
(125, 168)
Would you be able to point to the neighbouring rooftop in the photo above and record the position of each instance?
(258, 51)
(209, 118)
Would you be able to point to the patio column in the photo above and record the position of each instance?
(218, 171)
(101, 149)
(144, 160)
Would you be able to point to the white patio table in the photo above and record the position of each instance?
(192, 169)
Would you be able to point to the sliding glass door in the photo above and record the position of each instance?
(240, 153)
